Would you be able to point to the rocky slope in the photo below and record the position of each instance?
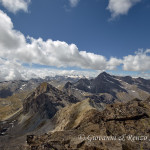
(100, 107)
(71, 116)
(104, 88)
(41, 105)
(12, 93)
(47, 100)
(120, 126)
(35, 116)
(8, 88)
(108, 88)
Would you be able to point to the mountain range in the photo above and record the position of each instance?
(52, 113)
(109, 88)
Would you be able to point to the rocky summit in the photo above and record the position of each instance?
(47, 100)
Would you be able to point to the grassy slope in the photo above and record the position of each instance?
(10, 105)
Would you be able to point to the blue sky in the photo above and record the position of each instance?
(106, 34)
(87, 25)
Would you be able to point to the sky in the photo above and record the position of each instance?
(74, 37)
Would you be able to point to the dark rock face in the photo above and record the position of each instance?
(68, 84)
(117, 87)
(107, 99)
(5, 93)
(83, 84)
(143, 84)
(41, 104)
(128, 124)
(127, 79)
(47, 100)
(103, 83)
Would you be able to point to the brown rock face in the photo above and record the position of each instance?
(35, 118)
(47, 100)
(118, 127)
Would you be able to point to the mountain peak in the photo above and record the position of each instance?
(103, 74)
(43, 87)
(68, 84)
(46, 100)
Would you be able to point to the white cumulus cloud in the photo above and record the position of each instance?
(13, 70)
(120, 7)
(10, 70)
(113, 63)
(9, 39)
(13, 45)
(138, 62)
(16, 49)
(15, 5)
(74, 3)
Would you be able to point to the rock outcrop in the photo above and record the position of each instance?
(47, 100)
(120, 126)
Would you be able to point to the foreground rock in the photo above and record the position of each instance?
(118, 127)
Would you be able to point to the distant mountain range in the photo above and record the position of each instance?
(8, 88)
(106, 86)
